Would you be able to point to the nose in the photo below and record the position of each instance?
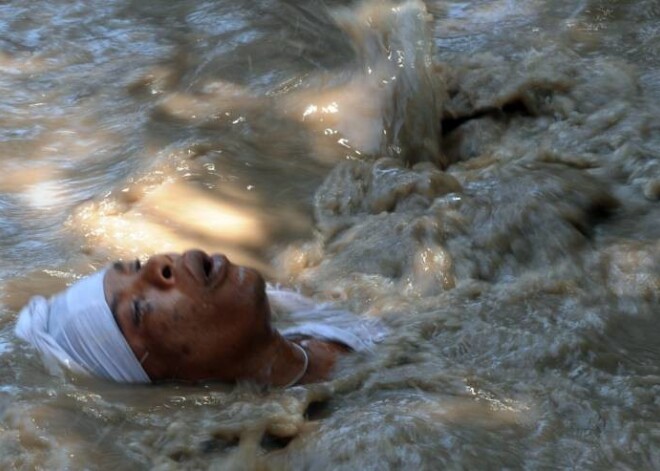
(159, 269)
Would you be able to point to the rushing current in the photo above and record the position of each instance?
(481, 176)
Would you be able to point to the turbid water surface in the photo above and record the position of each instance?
(482, 176)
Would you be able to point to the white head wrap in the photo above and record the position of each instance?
(77, 330)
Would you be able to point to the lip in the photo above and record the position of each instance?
(194, 261)
(219, 267)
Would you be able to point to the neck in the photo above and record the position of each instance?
(281, 363)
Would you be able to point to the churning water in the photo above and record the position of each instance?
(483, 176)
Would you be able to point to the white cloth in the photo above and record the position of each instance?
(325, 321)
(77, 330)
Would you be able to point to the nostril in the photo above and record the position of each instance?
(166, 272)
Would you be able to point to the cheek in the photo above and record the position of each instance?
(165, 330)
(194, 332)
(180, 332)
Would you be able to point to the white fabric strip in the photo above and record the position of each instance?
(77, 330)
(324, 321)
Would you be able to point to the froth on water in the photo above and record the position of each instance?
(482, 177)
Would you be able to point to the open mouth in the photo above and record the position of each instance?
(209, 270)
(199, 264)
(207, 266)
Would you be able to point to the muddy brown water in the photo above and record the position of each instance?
(483, 176)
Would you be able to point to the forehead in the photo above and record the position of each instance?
(119, 282)
(112, 285)
(115, 278)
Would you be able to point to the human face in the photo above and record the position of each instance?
(190, 316)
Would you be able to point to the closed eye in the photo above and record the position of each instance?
(137, 312)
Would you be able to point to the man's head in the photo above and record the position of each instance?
(190, 316)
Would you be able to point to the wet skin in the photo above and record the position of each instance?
(190, 316)
(196, 317)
